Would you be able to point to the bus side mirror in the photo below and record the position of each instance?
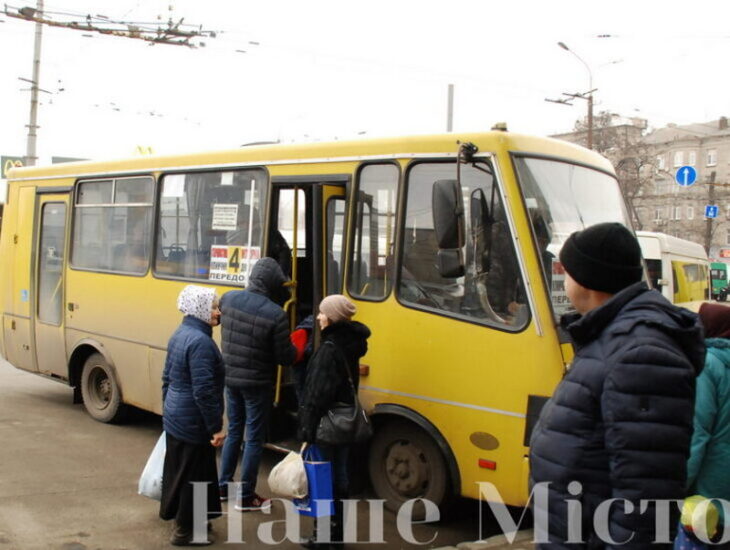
(448, 223)
(448, 214)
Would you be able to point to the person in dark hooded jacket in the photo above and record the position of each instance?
(255, 340)
(620, 422)
(332, 372)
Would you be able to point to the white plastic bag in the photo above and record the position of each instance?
(150, 482)
(288, 477)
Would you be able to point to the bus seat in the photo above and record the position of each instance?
(177, 255)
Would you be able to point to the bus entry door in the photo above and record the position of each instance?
(308, 242)
(48, 276)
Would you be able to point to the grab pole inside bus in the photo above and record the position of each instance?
(290, 305)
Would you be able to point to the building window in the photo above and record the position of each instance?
(692, 158)
(677, 212)
(657, 214)
(678, 158)
(660, 162)
(660, 187)
(727, 237)
(712, 157)
(690, 213)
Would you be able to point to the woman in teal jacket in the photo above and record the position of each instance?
(707, 470)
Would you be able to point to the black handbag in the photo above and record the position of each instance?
(344, 423)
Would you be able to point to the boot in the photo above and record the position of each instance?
(337, 526)
(183, 536)
(311, 542)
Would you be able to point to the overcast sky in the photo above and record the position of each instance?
(326, 70)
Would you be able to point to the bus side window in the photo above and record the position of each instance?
(112, 225)
(491, 291)
(370, 274)
(210, 225)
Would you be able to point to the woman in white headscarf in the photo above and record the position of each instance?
(192, 397)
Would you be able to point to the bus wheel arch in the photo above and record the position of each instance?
(95, 381)
(410, 458)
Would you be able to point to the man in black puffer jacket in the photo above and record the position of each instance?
(620, 422)
(255, 340)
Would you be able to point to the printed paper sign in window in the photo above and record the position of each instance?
(232, 264)
(561, 303)
(225, 217)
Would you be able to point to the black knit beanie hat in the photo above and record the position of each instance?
(604, 257)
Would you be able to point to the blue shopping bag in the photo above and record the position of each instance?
(687, 541)
(318, 503)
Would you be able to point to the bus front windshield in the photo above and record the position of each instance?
(562, 198)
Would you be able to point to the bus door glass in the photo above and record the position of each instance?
(333, 233)
(49, 282)
(306, 238)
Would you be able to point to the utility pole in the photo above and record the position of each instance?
(174, 34)
(708, 221)
(590, 118)
(30, 152)
(450, 110)
(588, 96)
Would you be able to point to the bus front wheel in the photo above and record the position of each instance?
(405, 463)
(100, 390)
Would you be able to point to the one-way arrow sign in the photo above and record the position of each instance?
(686, 176)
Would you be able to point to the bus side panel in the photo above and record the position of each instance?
(157, 365)
(17, 318)
(468, 380)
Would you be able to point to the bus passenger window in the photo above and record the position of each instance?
(210, 225)
(112, 225)
(491, 290)
(371, 263)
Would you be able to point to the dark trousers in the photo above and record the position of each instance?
(186, 463)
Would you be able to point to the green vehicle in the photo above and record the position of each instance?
(718, 275)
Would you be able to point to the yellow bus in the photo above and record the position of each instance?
(448, 245)
(678, 268)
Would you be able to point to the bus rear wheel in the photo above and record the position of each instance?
(405, 463)
(101, 392)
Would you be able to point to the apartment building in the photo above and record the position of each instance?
(646, 164)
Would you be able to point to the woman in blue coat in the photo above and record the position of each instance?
(192, 397)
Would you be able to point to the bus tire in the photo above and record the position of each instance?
(405, 463)
(101, 392)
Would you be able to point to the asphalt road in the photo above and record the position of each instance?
(68, 482)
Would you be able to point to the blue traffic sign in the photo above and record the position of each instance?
(686, 176)
(711, 211)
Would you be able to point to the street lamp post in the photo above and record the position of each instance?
(588, 96)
